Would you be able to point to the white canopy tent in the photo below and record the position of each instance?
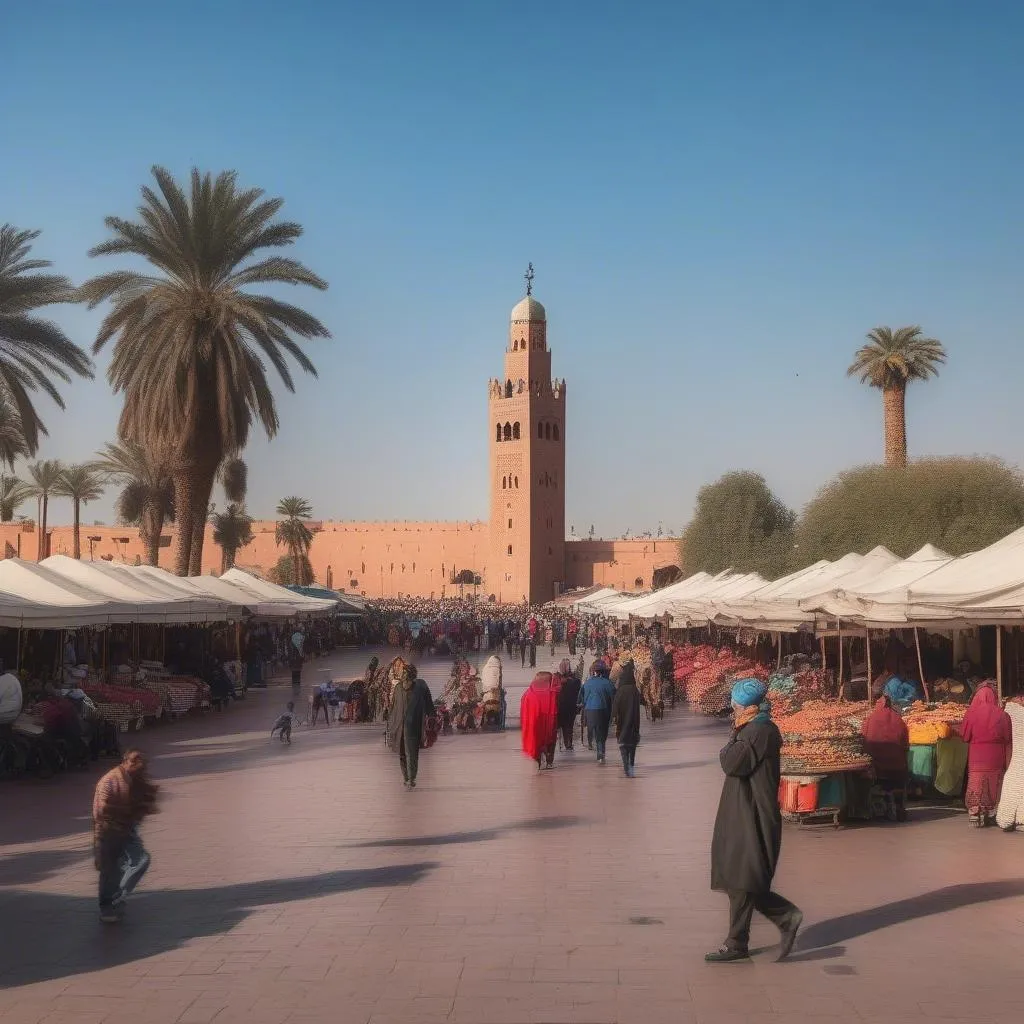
(647, 606)
(593, 604)
(697, 609)
(117, 583)
(34, 597)
(301, 604)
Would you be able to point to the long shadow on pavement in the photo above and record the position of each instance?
(927, 904)
(482, 835)
(58, 935)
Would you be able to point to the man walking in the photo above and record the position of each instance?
(626, 715)
(123, 797)
(411, 704)
(598, 694)
(748, 828)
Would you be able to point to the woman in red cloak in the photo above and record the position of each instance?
(988, 733)
(538, 716)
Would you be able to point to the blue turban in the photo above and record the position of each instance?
(748, 693)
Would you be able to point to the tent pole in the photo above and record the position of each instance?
(778, 663)
(839, 631)
(867, 644)
(999, 661)
(920, 665)
(18, 659)
(824, 663)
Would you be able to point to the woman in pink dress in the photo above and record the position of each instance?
(988, 733)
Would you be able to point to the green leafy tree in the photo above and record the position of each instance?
(738, 524)
(232, 530)
(35, 354)
(192, 339)
(45, 476)
(13, 494)
(292, 532)
(288, 572)
(959, 504)
(82, 484)
(890, 361)
(146, 499)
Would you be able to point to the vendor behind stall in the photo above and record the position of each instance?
(887, 740)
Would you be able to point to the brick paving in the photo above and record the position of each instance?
(305, 884)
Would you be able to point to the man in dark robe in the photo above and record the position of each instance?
(411, 705)
(748, 828)
(626, 716)
(568, 702)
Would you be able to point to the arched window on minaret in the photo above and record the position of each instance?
(547, 431)
(508, 389)
(504, 483)
(515, 431)
(517, 483)
(507, 432)
(540, 431)
(554, 431)
(515, 345)
(497, 432)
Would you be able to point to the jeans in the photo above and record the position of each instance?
(597, 721)
(410, 758)
(628, 752)
(742, 905)
(117, 853)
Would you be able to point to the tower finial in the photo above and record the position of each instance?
(529, 279)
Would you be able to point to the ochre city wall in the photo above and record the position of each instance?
(385, 559)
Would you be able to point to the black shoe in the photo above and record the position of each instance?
(726, 956)
(789, 934)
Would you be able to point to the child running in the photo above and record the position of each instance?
(283, 726)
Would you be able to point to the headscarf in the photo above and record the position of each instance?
(599, 668)
(542, 681)
(747, 693)
(564, 668)
(884, 724)
(985, 721)
(627, 674)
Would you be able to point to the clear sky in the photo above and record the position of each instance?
(720, 200)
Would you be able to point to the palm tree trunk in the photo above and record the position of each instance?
(184, 506)
(894, 401)
(200, 513)
(151, 529)
(296, 567)
(225, 559)
(77, 535)
(42, 531)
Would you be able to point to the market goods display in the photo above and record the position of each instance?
(823, 755)
(920, 713)
(824, 718)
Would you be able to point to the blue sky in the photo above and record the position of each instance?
(720, 199)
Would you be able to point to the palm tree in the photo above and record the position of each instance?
(82, 484)
(46, 475)
(147, 494)
(890, 361)
(34, 353)
(12, 434)
(13, 494)
(191, 340)
(232, 530)
(292, 532)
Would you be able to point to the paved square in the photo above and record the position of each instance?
(305, 884)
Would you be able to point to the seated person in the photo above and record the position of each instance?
(887, 740)
(901, 691)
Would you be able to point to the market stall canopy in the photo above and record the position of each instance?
(34, 597)
(648, 606)
(866, 602)
(592, 602)
(280, 595)
(118, 583)
(777, 608)
(698, 608)
(345, 605)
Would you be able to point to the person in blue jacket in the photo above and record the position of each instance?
(597, 696)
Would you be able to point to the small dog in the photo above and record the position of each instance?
(283, 726)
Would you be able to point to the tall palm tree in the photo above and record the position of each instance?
(34, 352)
(13, 494)
(890, 361)
(232, 530)
(292, 532)
(12, 434)
(147, 494)
(191, 339)
(82, 484)
(45, 476)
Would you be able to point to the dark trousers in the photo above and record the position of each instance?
(742, 905)
(548, 756)
(628, 752)
(410, 758)
(522, 655)
(114, 854)
(533, 654)
(572, 645)
(567, 727)
(320, 701)
(598, 722)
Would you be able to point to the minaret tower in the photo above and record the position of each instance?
(527, 444)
